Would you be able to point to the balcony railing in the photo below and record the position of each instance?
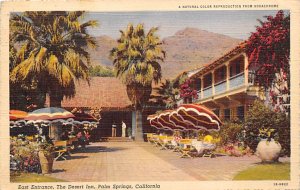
(237, 81)
(207, 92)
(220, 87)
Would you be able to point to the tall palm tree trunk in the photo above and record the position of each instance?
(55, 128)
(139, 126)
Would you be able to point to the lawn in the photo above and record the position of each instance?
(31, 177)
(275, 171)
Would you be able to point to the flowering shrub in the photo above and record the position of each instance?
(186, 91)
(24, 155)
(234, 150)
(268, 50)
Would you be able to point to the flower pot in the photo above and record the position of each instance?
(46, 162)
(268, 151)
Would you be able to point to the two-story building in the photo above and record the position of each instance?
(226, 85)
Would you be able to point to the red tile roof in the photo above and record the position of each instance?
(238, 49)
(103, 92)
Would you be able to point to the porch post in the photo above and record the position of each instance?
(202, 84)
(227, 75)
(246, 69)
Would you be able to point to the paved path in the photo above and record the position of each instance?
(133, 161)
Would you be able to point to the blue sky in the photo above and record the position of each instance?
(237, 24)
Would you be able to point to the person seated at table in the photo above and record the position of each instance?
(177, 136)
(208, 141)
(81, 138)
(65, 136)
(87, 137)
(176, 139)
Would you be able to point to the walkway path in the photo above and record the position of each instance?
(133, 161)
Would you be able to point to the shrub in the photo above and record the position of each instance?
(261, 117)
(230, 132)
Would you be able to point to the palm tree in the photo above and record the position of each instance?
(52, 51)
(168, 94)
(137, 59)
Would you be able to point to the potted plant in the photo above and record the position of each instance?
(268, 149)
(46, 156)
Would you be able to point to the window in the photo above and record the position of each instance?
(207, 80)
(240, 112)
(220, 74)
(198, 84)
(237, 66)
(227, 114)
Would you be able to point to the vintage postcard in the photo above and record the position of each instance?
(149, 95)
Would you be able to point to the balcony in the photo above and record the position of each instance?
(236, 81)
(207, 92)
(220, 87)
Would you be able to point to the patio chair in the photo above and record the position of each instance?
(175, 146)
(185, 148)
(61, 148)
(169, 142)
(72, 143)
(155, 140)
(149, 137)
(163, 141)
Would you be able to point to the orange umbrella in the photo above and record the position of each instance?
(15, 115)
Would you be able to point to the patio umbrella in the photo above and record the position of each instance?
(154, 123)
(164, 120)
(16, 117)
(51, 114)
(177, 120)
(199, 116)
(84, 118)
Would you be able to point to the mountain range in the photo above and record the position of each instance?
(186, 50)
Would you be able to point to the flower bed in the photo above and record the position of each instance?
(24, 155)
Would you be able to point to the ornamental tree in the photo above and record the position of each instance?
(268, 50)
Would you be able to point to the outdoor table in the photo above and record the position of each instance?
(198, 145)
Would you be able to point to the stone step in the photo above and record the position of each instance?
(116, 139)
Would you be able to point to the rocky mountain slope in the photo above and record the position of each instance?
(187, 49)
